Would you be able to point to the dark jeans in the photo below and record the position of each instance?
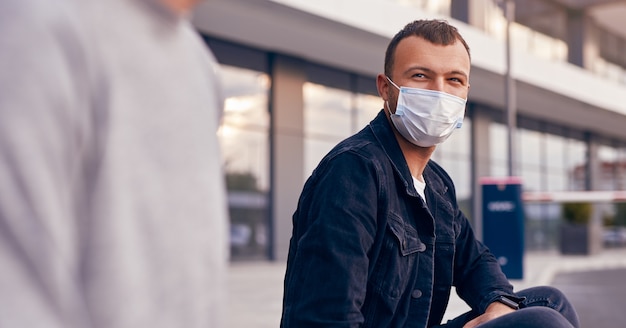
(544, 307)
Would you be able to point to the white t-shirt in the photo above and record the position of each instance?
(420, 186)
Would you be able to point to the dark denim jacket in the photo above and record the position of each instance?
(367, 252)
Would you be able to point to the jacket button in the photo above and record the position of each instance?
(421, 247)
(416, 293)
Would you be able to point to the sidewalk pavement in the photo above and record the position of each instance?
(256, 288)
(598, 296)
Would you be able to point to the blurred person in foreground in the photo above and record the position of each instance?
(112, 201)
(378, 237)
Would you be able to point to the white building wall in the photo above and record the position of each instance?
(353, 35)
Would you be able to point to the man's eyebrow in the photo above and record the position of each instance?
(428, 70)
(419, 68)
(459, 73)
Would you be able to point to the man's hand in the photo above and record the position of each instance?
(494, 310)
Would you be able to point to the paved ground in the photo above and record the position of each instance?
(598, 295)
(255, 288)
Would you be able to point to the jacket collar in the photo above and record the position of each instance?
(383, 132)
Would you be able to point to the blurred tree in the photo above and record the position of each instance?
(241, 181)
(620, 215)
(577, 213)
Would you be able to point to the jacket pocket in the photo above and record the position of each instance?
(397, 262)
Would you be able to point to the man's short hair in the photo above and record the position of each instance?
(435, 31)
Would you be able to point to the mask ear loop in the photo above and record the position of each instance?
(388, 79)
(388, 108)
(387, 101)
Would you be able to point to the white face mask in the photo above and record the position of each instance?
(426, 117)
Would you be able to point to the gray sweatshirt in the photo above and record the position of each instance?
(112, 202)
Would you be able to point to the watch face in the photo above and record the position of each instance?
(508, 302)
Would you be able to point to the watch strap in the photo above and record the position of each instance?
(513, 302)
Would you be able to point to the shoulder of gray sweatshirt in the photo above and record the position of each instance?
(112, 200)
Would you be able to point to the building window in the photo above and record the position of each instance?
(366, 108)
(244, 141)
(454, 155)
(498, 150)
(531, 152)
(327, 121)
(555, 163)
(336, 106)
(608, 158)
(576, 164)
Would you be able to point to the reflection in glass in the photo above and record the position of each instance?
(454, 155)
(498, 160)
(367, 107)
(620, 171)
(608, 158)
(540, 225)
(331, 115)
(244, 141)
(556, 170)
(576, 164)
(522, 37)
(531, 155)
(547, 162)
(327, 121)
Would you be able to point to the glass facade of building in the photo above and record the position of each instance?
(331, 115)
(337, 103)
(244, 138)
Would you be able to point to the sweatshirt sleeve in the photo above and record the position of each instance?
(42, 111)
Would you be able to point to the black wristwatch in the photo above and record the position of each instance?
(513, 302)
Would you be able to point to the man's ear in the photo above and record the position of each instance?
(382, 85)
